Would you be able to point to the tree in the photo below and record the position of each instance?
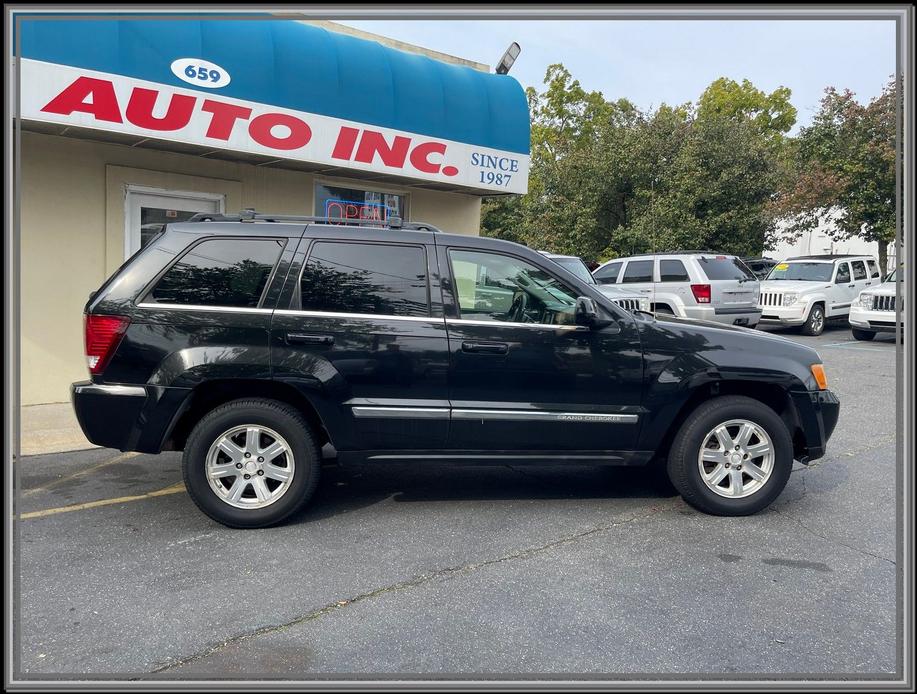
(843, 166)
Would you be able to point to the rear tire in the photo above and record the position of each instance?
(694, 463)
(815, 323)
(229, 440)
(864, 335)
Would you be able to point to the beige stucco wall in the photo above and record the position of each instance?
(72, 232)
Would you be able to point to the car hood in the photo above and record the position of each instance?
(615, 293)
(884, 289)
(764, 340)
(797, 286)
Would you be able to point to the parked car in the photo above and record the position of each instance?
(630, 300)
(690, 284)
(760, 266)
(874, 310)
(253, 342)
(809, 290)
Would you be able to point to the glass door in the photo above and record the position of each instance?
(147, 212)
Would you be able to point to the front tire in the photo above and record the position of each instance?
(731, 457)
(864, 335)
(815, 323)
(251, 463)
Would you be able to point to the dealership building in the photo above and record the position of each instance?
(127, 125)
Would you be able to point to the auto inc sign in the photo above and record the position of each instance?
(78, 97)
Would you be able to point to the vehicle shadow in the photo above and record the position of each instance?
(346, 489)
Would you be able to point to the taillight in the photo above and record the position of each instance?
(701, 293)
(102, 333)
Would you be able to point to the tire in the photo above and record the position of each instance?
(815, 323)
(276, 426)
(864, 335)
(684, 465)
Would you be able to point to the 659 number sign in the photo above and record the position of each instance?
(200, 73)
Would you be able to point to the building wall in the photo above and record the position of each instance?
(72, 232)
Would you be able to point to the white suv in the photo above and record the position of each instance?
(808, 290)
(874, 311)
(628, 300)
(690, 284)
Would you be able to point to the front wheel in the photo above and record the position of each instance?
(732, 456)
(863, 334)
(815, 323)
(251, 463)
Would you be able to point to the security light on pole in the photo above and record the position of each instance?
(506, 62)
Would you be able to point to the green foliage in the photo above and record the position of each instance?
(845, 163)
(607, 179)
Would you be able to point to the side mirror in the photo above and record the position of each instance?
(587, 313)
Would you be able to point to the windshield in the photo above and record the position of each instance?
(806, 272)
(892, 277)
(577, 267)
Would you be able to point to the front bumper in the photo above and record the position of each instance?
(875, 321)
(129, 418)
(785, 315)
(817, 412)
(745, 315)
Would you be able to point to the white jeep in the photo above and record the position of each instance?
(809, 290)
(873, 311)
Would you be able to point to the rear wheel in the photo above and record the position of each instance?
(815, 323)
(863, 334)
(732, 456)
(251, 463)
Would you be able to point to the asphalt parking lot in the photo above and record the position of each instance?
(458, 571)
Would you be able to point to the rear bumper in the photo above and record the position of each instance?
(818, 412)
(744, 315)
(129, 418)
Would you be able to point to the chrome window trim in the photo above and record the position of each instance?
(361, 411)
(374, 316)
(509, 324)
(199, 307)
(541, 415)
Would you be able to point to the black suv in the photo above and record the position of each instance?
(254, 343)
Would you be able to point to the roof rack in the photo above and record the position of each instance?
(249, 215)
(634, 255)
(829, 256)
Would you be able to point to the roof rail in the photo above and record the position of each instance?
(249, 215)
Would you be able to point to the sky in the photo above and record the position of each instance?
(654, 62)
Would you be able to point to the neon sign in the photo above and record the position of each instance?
(352, 209)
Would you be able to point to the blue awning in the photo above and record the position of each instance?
(302, 67)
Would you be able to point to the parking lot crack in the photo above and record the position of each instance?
(445, 573)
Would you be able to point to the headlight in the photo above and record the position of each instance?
(644, 305)
(866, 301)
(790, 299)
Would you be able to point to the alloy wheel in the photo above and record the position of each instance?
(736, 458)
(250, 466)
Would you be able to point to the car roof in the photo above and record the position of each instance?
(830, 258)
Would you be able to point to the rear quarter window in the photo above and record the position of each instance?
(724, 268)
(220, 272)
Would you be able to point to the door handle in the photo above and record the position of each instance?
(850, 286)
(485, 347)
(300, 338)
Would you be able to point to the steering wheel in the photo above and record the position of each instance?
(516, 313)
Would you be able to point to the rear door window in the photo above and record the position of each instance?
(638, 271)
(220, 272)
(368, 278)
(608, 274)
(672, 271)
(724, 268)
(859, 270)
